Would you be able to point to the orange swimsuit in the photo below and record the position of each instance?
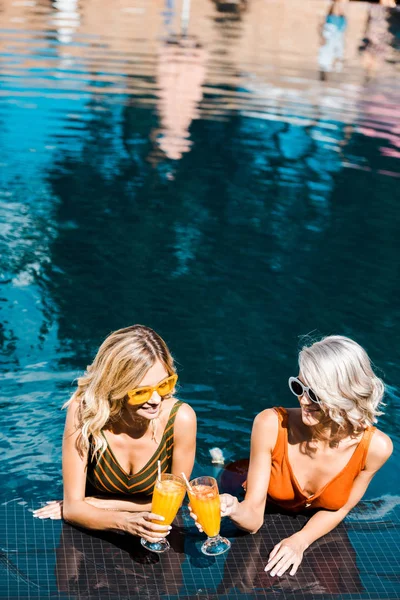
(284, 489)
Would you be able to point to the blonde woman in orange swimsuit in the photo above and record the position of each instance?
(322, 455)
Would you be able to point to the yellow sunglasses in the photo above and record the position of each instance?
(143, 394)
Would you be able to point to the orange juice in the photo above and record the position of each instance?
(167, 498)
(206, 505)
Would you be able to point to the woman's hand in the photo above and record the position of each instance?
(288, 553)
(51, 510)
(194, 517)
(140, 524)
(228, 506)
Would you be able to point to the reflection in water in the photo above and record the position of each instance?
(118, 565)
(329, 566)
(231, 8)
(377, 39)
(66, 20)
(50, 559)
(331, 52)
(180, 74)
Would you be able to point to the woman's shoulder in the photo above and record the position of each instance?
(182, 413)
(272, 416)
(265, 431)
(185, 423)
(185, 413)
(73, 407)
(267, 420)
(380, 449)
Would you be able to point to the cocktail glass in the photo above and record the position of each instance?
(168, 495)
(205, 503)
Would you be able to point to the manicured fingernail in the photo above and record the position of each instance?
(169, 527)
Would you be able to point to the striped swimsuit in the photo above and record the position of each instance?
(106, 475)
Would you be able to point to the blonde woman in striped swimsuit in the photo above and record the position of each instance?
(121, 421)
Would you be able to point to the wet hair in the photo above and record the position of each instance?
(340, 373)
(121, 362)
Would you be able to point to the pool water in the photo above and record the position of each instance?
(226, 173)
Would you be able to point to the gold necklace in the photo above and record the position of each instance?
(154, 430)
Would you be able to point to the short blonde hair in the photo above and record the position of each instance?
(120, 364)
(340, 372)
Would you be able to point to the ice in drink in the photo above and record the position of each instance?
(167, 499)
(206, 505)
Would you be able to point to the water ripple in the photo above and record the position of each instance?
(216, 177)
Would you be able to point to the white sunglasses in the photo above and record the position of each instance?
(298, 388)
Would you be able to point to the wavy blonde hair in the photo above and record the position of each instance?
(340, 372)
(120, 364)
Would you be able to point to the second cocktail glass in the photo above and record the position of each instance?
(205, 503)
(168, 495)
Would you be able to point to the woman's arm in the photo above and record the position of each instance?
(249, 514)
(184, 452)
(75, 508)
(289, 552)
(130, 504)
(54, 508)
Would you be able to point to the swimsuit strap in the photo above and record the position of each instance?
(279, 448)
(365, 442)
(169, 428)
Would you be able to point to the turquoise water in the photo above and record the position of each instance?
(216, 190)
